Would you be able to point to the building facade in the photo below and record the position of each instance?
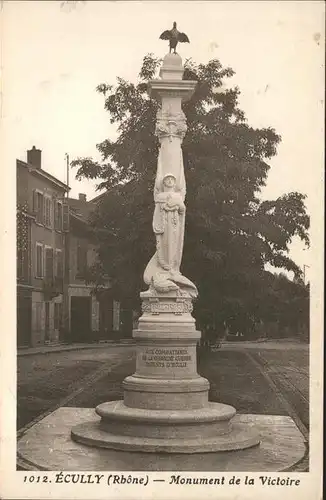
(41, 226)
(56, 247)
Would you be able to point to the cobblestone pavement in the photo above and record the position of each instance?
(289, 370)
(292, 365)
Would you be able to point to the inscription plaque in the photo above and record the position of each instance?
(166, 358)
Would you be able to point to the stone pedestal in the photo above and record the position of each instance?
(165, 406)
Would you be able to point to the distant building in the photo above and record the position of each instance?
(41, 222)
(89, 316)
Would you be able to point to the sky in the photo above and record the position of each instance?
(55, 53)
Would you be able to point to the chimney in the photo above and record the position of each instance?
(34, 157)
(82, 197)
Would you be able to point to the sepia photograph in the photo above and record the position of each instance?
(163, 249)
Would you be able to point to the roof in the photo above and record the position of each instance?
(81, 209)
(98, 198)
(42, 173)
(129, 184)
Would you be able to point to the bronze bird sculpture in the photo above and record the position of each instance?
(174, 36)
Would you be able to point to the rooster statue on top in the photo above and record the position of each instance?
(174, 36)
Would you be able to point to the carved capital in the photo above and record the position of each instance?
(170, 125)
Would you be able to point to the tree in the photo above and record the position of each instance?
(285, 306)
(230, 233)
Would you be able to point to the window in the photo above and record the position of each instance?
(81, 260)
(38, 207)
(47, 211)
(58, 216)
(57, 315)
(59, 264)
(22, 265)
(39, 260)
(49, 263)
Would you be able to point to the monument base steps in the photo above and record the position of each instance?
(164, 431)
(48, 446)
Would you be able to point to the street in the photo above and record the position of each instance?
(45, 381)
(254, 378)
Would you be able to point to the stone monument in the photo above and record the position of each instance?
(165, 406)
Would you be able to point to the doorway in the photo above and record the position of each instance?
(80, 319)
(24, 319)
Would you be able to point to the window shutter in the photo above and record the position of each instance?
(60, 223)
(37, 271)
(39, 261)
(47, 212)
(65, 209)
(55, 214)
(44, 209)
(34, 202)
(50, 212)
(52, 262)
(49, 262)
(46, 206)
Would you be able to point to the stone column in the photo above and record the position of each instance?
(165, 406)
(166, 373)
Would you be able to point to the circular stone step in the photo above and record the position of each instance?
(178, 431)
(91, 434)
(117, 410)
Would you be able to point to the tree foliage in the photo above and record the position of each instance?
(231, 235)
